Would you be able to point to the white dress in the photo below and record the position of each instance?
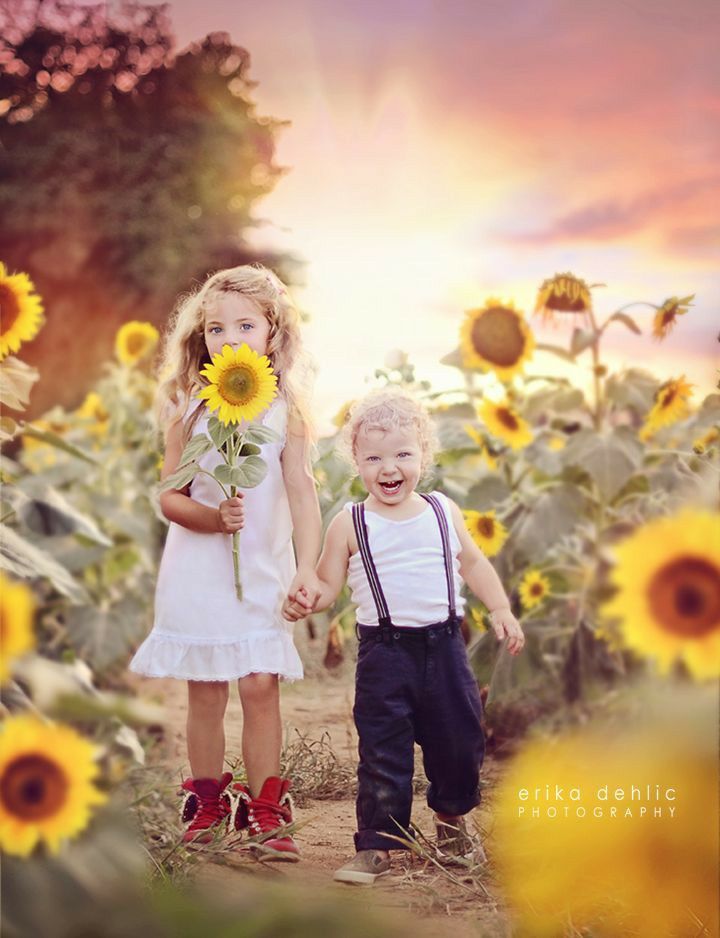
(202, 631)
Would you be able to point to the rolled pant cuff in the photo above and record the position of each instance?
(376, 840)
(454, 808)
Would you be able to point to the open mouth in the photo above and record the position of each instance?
(390, 488)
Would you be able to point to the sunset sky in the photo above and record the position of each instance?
(444, 152)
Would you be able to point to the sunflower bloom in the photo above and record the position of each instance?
(241, 384)
(666, 317)
(21, 311)
(504, 422)
(496, 338)
(702, 443)
(16, 623)
(488, 533)
(670, 405)
(94, 411)
(563, 293)
(667, 578)
(47, 790)
(477, 619)
(341, 417)
(479, 440)
(135, 341)
(591, 856)
(556, 443)
(533, 589)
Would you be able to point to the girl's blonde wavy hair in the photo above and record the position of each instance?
(184, 352)
(387, 409)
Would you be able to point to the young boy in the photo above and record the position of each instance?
(405, 556)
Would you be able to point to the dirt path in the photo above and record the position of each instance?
(322, 703)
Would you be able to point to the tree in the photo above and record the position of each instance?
(127, 172)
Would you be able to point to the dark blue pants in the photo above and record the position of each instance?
(414, 685)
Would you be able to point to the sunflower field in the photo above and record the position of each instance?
(600, 515)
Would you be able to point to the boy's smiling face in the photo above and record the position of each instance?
(389, 462)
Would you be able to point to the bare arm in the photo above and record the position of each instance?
(482, 579)
(331, 570)
(178, 506)
(302, 498)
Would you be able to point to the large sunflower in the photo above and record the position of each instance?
(46, 784)
(670, 404)
(563, 293)
(20, 311)
(135, 341)
(504, 422)
(16, 623)
(533, 589)
(666, 316)
(668, 591)
(488, 533)
(241, 384)
(496, 338)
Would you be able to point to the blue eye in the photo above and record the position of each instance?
(246, 326)
(404, 454)
(213, 328)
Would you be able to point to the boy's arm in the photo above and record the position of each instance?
(482, 580)
(331, 570)
(304, 509)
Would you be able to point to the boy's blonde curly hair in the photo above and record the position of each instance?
(387, 409)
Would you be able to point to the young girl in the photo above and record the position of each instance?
(202, 633)
(405, 556)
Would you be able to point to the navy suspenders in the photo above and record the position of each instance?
(383, 614)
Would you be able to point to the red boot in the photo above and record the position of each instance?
(264, 817)
(206, 807)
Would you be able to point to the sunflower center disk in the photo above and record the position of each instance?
(238, 385)
(685, 597)
(507, 418)
(486, 527)
(136, 344)
(9, 308)
(497, 337)
(33, 788)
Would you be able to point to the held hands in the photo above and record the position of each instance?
(231, 517)
(302, 596)
(505, 624)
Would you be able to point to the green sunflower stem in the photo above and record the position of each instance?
(234, 446)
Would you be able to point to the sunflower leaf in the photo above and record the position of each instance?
(51, 514)
(195, 449)
(59, 442)
(26, 560)
(250, 472)
(223, 474)
(16, 379)
(219, 432)
(581, 339)
(257, 433)
(180, 478)
(250, 449)
(626, 320)
(610, 459)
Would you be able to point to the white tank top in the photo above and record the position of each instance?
(409, 560)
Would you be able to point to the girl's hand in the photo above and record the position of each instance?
(305, 590)
(231, 517)
(293, 610)
(504, 625)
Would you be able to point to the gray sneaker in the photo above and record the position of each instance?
(455, 843)
(364, 868)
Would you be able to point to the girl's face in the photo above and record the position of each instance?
(234, 319)
(389, 463)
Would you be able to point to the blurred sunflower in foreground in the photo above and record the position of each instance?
(504, 422)
(671, 405)
(21, 311)
(47, 789)
(496, 338)
(16, 623)
(667, 576)
(135, 341)
(563, 293)
(649, 873)
(488, 533)
(666, 317)
(93, 412)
